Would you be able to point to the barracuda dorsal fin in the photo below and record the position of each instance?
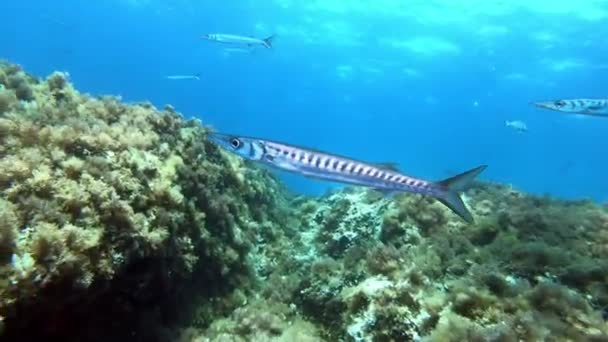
(392, 166)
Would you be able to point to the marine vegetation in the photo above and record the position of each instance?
(124, 222)
(112, 206)
(372, 268)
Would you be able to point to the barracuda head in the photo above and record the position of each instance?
(558, 105)
(209, 36)
(247, 148)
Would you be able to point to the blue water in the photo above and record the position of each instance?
(425, 84)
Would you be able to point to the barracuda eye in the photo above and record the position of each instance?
(560, 103)
(235, 143)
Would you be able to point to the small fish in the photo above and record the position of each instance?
(325, 166)
(517, 125)
(239, 40)
(593, 107)
(184, 77)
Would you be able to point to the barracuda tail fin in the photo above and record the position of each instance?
(268, 41)
(456, 184)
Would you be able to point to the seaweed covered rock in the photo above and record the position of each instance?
(257, 321)
(531, 268)
(104, 203)
(346, 219)
(127, 214)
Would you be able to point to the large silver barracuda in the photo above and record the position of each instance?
(322, 165)
(593, 107)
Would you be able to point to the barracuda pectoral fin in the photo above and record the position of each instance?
(453, 186)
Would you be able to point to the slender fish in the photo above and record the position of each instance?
(322, 165)
(239, 40)
(184, 77)
(593, 107)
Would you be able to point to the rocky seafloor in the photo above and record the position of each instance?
(122, 222)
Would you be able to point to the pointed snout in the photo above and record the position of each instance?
(218, 138)
(543, 104)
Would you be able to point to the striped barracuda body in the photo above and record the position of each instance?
(322, 165)
(238, 40)
(594, 107)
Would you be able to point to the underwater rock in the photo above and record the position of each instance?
(258, 321)
(123, 213)
(347, 220)
(110, 207)
(425, 276)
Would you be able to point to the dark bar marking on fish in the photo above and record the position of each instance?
(335, 164)
(264, 151)
(349, 167)
(251, 149)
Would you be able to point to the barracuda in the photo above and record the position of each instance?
(322, 165)
(239, 40)
(594, 107)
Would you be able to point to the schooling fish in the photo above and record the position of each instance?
(321, 165)
(184, 77)
(594, 107)
(239, 40)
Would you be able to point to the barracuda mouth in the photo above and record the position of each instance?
(543, 104)
(223, 140)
